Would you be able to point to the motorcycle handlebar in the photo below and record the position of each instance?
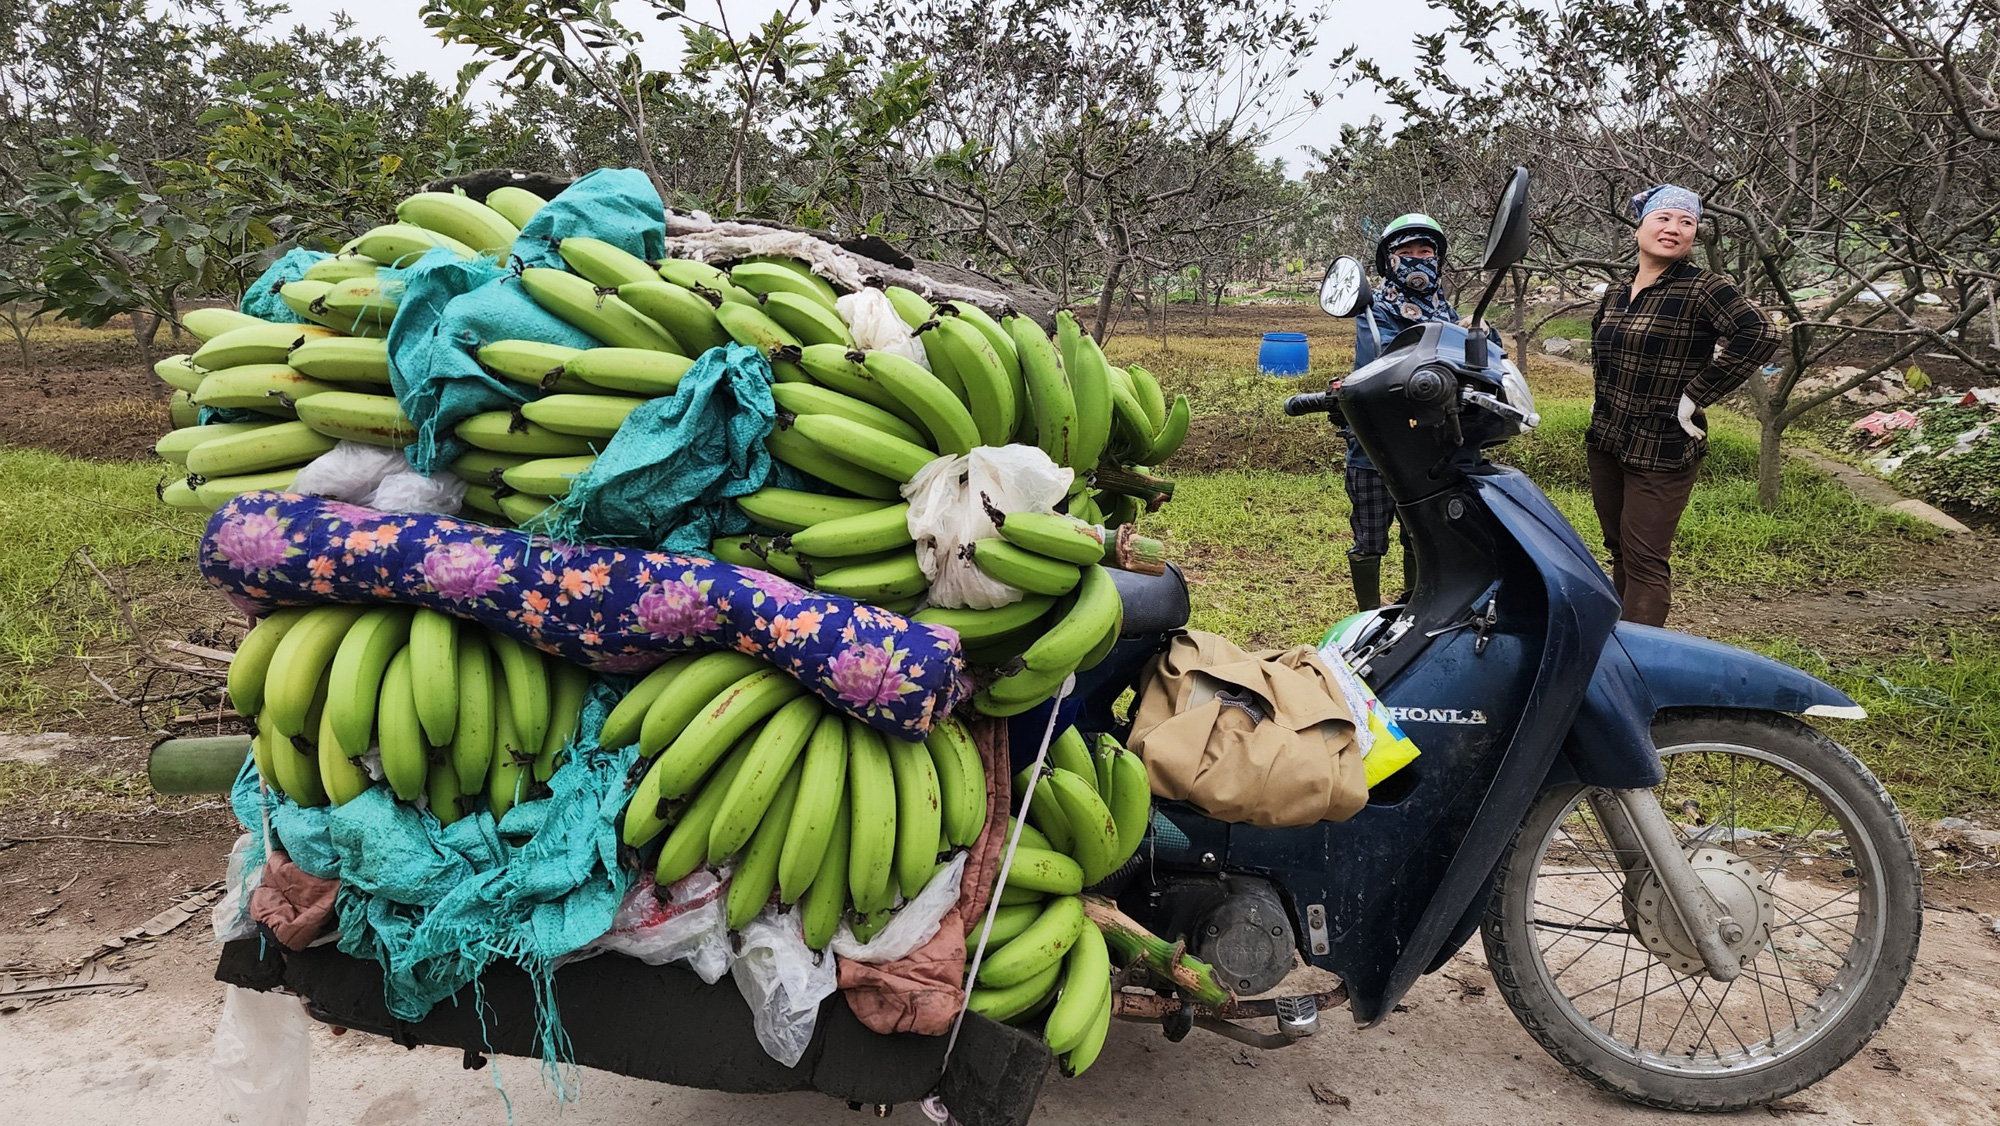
(1312, 402)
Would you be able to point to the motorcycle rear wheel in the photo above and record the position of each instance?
(1574, 952)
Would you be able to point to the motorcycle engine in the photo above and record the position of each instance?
(1247, 936)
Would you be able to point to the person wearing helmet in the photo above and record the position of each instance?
(1409, 257)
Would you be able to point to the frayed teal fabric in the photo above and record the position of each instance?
(617, 205)
(262, 300)
(450, 307)
(669, 477)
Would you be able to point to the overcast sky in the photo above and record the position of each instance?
(1382, 28)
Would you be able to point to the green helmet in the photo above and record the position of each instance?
(1400, 229)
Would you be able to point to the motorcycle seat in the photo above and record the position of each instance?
(1153, 603)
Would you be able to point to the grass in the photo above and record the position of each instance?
(51, 606)
(1933, 728)
(33, 791)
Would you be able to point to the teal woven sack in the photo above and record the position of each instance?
(670, 476)
(434, 905)
(262, 300)
(617, 205)
(449, 307)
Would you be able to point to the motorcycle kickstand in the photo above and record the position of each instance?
(1634, 821)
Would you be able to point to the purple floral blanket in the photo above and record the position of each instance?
(611, 609)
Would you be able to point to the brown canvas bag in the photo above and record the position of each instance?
(1264, 738)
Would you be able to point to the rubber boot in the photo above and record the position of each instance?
(1366, 570)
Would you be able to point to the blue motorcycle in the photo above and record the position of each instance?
(1689, 895)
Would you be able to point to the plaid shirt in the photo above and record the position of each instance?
(1650, 350)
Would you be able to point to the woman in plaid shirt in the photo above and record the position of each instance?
(1653, 347)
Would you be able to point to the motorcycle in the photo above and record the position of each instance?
(1689, 895)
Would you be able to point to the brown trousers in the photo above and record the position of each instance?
(1639, 511)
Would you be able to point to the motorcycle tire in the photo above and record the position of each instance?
(1864, 848)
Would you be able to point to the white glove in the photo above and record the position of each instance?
(1687, 418)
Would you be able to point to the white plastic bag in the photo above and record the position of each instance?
(914, 924)
(410, 491)
(783, 981)
(230, 917)
(263, 1057)
(871, 317)
(950, 500)
(690, 926)
(350, 471)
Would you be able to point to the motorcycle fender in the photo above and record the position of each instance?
(1644, 670)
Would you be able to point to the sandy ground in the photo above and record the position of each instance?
(1454, 1057)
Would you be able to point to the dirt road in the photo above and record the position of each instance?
(1455, 1058)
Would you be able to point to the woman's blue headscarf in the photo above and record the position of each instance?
(1665, 196)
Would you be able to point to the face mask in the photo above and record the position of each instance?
(1417, 276)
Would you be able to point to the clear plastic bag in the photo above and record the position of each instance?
(410, 491)
(350, 471)
(263, 1057)
(871, 317)
(915, 922)
(690, 926)
(949, 504)
(230, 917)
(783, 981)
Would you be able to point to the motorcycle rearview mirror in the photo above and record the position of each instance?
(1506, 245)
(1344, 292)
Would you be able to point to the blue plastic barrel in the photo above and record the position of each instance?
(1283, 353)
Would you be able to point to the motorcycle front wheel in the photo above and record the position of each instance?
(1790, 831)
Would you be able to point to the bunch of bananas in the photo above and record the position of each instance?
(320, 382)
(1047, 963)
(452, 710)
(742, 765)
